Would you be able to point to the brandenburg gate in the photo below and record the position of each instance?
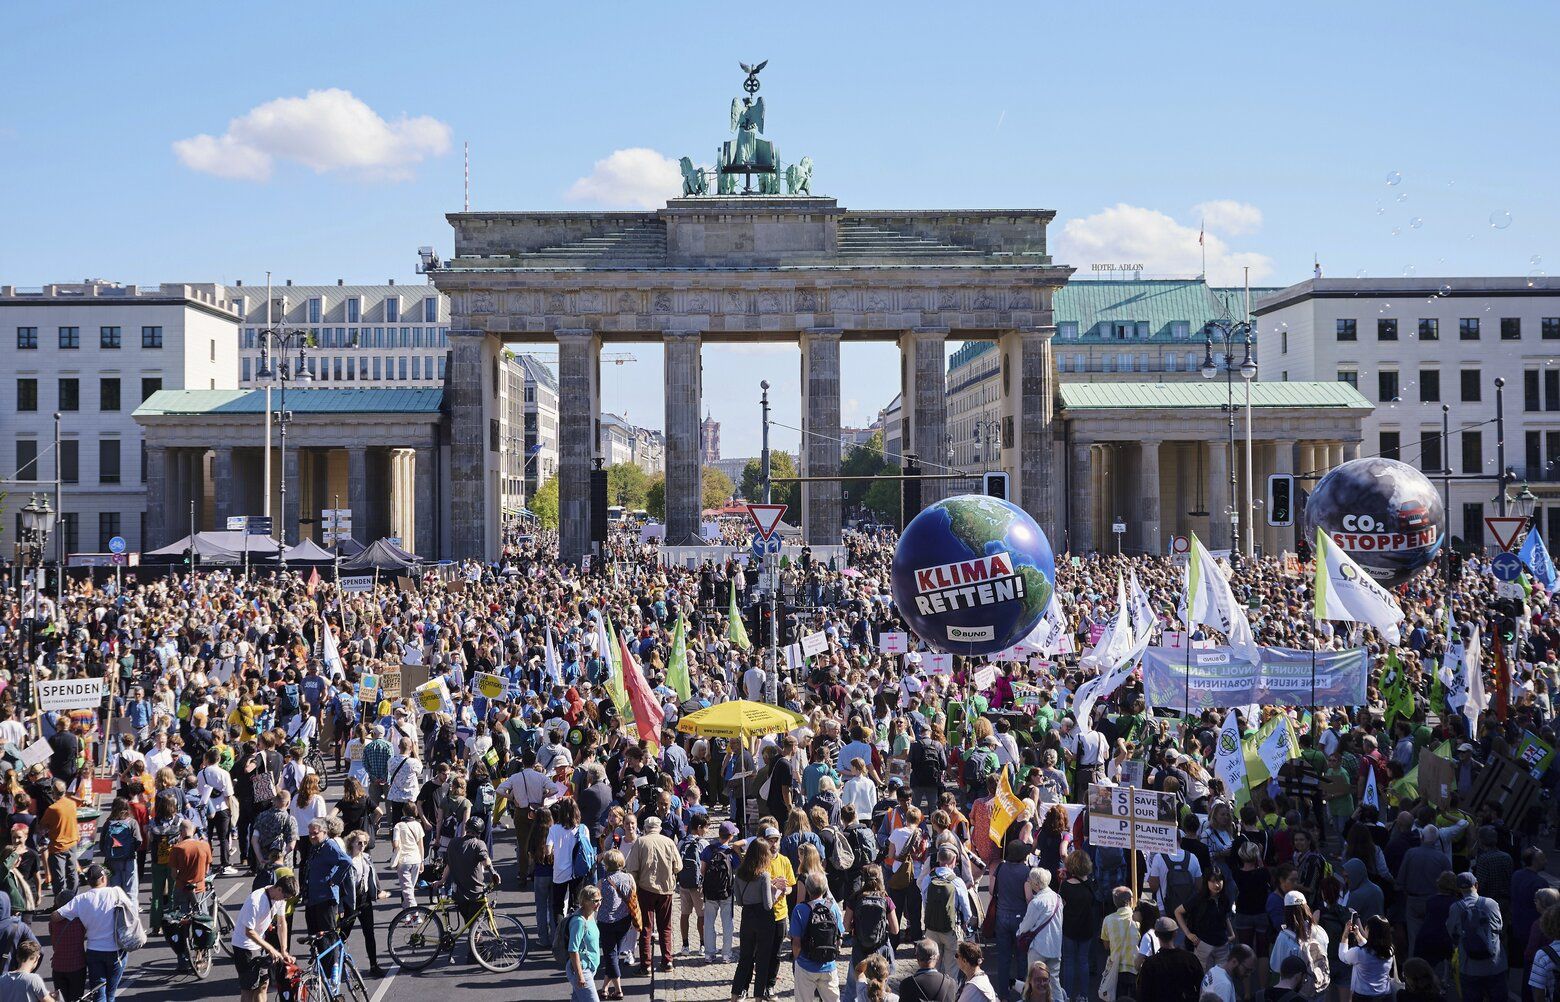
(743, 263)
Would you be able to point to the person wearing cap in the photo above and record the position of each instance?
(1478, 929)
(720, 911)
(95, 907)
(654, 862)
(1304, 937)
(1171, 974)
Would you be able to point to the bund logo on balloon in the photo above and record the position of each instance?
(972, 575)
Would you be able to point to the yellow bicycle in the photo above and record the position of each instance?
(499, 943)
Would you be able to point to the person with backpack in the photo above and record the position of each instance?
(690, 879)
(872, 923)
(839, 858)
(1304, 937)
(119, 844)
(113, 928)
(1478, 934)
(1172, 880)
(1206, 920)
(1040, 926)
(583, 946)
(718, 867)
(817, 930)
(947, 906)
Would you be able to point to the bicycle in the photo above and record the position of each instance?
(179, 926)
(322, 981)
(418, 935)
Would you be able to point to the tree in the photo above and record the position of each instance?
(544, 503)
(626, 485)
(655, 498)
(865, 460)
(780, 465)
(718, 488)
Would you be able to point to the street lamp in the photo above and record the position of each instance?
(286, 339)
(1522, 505)
(37, 523)
(989, 430)
(1228, 330)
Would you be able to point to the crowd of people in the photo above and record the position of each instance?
(854, 844)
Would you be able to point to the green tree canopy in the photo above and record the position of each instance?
(780, 465)
(717, 488)
(655, 498)
(545, 503)
(626, 485)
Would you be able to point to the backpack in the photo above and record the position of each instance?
(486, 798)
(870, 920)
(289, 698)
(865, 844)
(821, 937)
(583, 859)
(1318, 975)
(560, 940)
(292, 778)
(1180, 885)
(121, 840)
(942, 913)
(841, 855)
(718, 876)
(346, 713)
(688, 876)
(1478, 938)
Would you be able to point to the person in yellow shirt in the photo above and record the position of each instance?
(783, 876)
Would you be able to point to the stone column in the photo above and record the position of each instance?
(1080, 508)
(1026, 372)
(157, 462)
(684, 475)
(1148, 506)
(579, 365)
(820, 515)
(1284, 462)
(1218, 497)
(287, 532)
(357, 492)
(475, 394)
(222, 477)
(1351, 451)
(425, 513)
(924, 403)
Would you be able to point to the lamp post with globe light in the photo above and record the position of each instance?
(284, 341)
(37, 523)
(1229, 330)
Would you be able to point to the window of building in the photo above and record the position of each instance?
(108, 528)
(1107, 363)
(1551, 456)
(1473, 451)
(1067, 329)
(108, 393)
(1549, 328)
(393, 310)
(27, 338)
(1552, 389)
(1429, 386)
(1473, 524)
(70, 528)
(442, 360)
(151, 337)
(27, 459)
(1348, 330)
(1386, 385)
(70, 337)
(1472, 386)
(1429, 329)
(1142, 330)
(1391, 444)
(316, 307)
(1180, 330)
(1386, 329)
(1061, 363)
(70, 394)
(244, 367)
(431, 310)
(150, 385)
(354, 310)
(70, 460)
(1511, 328)
(1350, 376)
(110, 337)
(1533, 452)
(335, 367)
(1468, 329)
(108, 460)
(378, 368)
(1283, 342)
(27, 393)
(1430, 450)
(1530, 391)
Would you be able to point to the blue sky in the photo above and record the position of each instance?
(1279, 126)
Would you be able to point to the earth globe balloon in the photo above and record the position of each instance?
(1384, 514)
(972, 574)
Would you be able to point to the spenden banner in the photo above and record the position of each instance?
(70, 693)
(1217, 678)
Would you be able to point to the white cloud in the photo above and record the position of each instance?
(326, 130)
(1129, 234)
(1229, 217)
(636, 177)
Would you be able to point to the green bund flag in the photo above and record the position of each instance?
(1266, 750)
(615, 678)
(735, 631)
(1396, 691)
(677, 665)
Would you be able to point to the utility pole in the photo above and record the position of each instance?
(266, 352)
(59, 519)
(1500, 443)
(771, 561)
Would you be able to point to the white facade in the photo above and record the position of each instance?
(538, 460)
(93, 352)
(1412, 345)
(622, 442)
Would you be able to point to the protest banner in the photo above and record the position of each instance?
(1535, 753)
(1123, 817)
(890, 642)
(490, 685)
(390, 684)
(936, 663)
(814, 644)
(984, 678)
(357, 583)
(36, 753)
(1219, 678)
(69, 693)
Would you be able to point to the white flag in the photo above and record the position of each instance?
(550, 660)
(1117, 639)
(1106, 682)
(1371, 798)
(1209, 600)
(1051, 636)
(1278, 747)
(1229, 759)
(1344, 591)
(1143, 618)
(331, 654)
(1463, 676)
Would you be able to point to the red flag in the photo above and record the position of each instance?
(1502, 681)
(647, 709)
(314, 580)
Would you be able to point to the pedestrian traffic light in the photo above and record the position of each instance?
(1280, 500)
(995, 485)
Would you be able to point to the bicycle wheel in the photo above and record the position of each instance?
(316, 761)
(225, 932)
(415, 938)
(355, 989)
(311, 986)
(499, 943)
(200, 959)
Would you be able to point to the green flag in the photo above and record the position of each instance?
(1395, 690)
(615, 677)
(735, 631)
(677, 664)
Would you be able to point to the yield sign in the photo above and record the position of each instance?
(1505, 529)
(766, 517)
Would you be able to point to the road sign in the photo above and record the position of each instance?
(116, 545)
(766, 517)
(1118, 527)
(1179, 545)
(237, 523)
(1507, 529)
(257, 525)
(762, 545)
(1506, 567)
(1123, 818)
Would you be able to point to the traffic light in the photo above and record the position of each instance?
(996, 485)
(787, 625)
(1280, 500)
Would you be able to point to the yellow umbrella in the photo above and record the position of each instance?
(739, 719)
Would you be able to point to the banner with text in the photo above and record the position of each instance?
(1218, 678)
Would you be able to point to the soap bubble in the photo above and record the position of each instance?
(1402, 196)
(1395, 177)
(1409, 271)
(1536, 260)
(1500, 219)
(1534, 277)
(1381, 210)
(1397, 230)
(1360, 273)
(1444, 291)
(1416, 222)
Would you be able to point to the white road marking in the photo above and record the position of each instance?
(384, 985)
